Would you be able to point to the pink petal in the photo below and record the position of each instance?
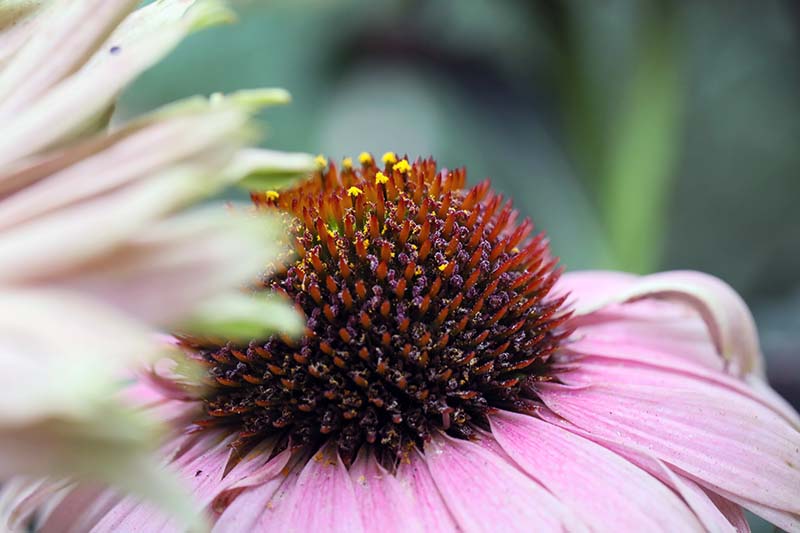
(668, 327)
(245, 501)
(592, 285)
(604, 489)
(641, 353)
(62, 45)
(729, 321)
(385, 503)
(715, 512)
(320, 499)
(431, 508)
(485, 492)
(722, 439)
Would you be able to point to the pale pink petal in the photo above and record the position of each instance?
(592, 285)
(579, 473)
(188, 257)
(386, 504)
(717, 514)
(485, 492)
(319, 498)
(63, 44)
(106, 163)
(243, 503)
(729, 321)
(688, 423)
(432, 509)
(23, 497)
(640, 352)
(66, 107)
(669, 327)
(18, 26)
(54, 243)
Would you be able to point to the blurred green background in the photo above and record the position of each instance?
(641, 135)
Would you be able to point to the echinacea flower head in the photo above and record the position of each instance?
(450, 379)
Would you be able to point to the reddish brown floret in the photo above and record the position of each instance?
(427, 306)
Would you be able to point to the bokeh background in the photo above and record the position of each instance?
(642, 135)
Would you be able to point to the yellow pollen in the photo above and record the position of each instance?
(354, 191)
(273, 195)
(402, 166)
(515, 250)
(320, 161)
(365, 158)
(442, 266)
(347, 163)
(380, 178)
(366, 243)
(389, 158)
(418, 271)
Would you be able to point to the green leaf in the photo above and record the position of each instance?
(244, 317)
(258, 169)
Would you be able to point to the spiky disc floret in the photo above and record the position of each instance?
(427, 306)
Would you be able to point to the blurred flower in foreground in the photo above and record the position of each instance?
(450, 379)
(95, 246)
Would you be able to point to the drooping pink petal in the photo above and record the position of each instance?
(321, 498)
(386, 504)
(669, 327)
(486, 492)
(687, 423)
(580, 473)
(729, 321)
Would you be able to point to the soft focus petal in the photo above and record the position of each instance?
(63, 43)
(688, 423)
(60, 414)
(196, 258)
(51, 245)
(81, 97)
(244, 317)
(106, 163)
(268, 169)
(485, 491)
(579, 473)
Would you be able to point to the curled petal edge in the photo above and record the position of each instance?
(729, 321)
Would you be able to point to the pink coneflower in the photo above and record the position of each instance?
(450, 379)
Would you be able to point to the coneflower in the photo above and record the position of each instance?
(450, 380)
